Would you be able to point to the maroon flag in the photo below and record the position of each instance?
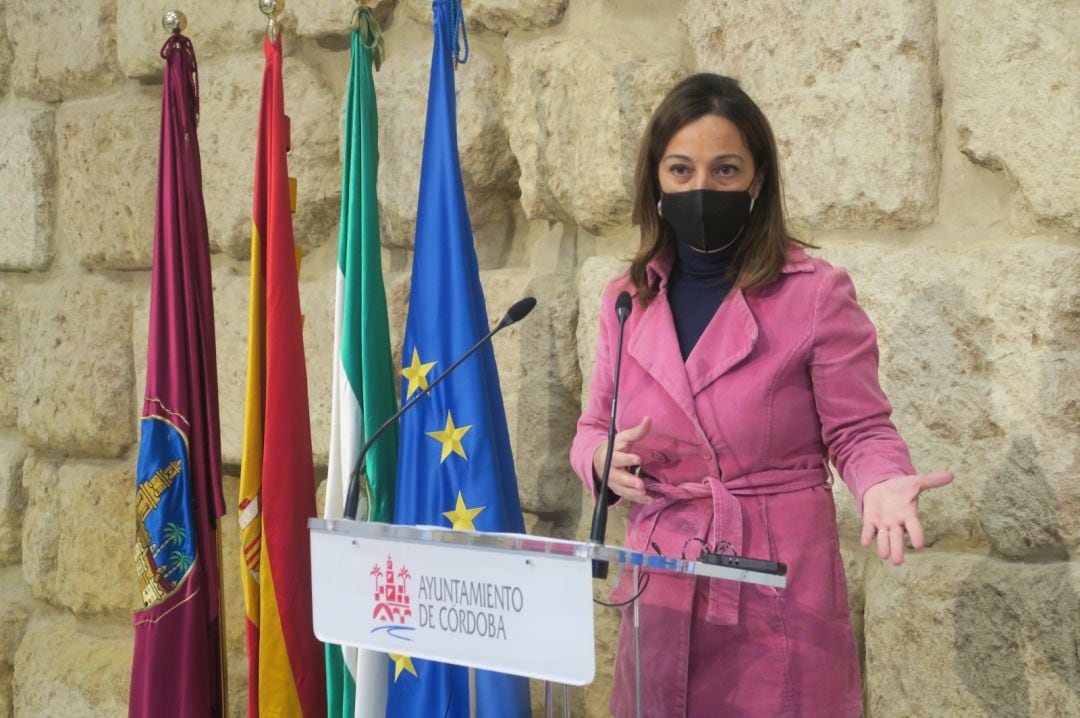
(178, 667)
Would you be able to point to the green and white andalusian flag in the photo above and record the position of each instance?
(364, 392)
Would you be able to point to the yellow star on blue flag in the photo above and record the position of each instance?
(416, 374)
(402, 663)
(450, 438)
(461, 517)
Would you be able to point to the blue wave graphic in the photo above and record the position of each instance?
(394, 630)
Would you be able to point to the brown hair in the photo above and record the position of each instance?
(762, 252)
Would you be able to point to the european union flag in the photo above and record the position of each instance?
(454, 462)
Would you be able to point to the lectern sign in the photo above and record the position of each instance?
(391, 594)
(527, 613)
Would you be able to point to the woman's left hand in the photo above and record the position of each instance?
(892, 506)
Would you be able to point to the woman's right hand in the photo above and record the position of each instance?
(620, 481)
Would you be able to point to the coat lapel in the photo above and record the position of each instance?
(655, 347)
(728, 338)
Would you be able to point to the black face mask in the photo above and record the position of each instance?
(707, 219)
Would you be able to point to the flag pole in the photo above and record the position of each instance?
(223, 663)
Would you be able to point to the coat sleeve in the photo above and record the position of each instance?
(592, 426)
(862, 441)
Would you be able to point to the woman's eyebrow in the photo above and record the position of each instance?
(688, 158)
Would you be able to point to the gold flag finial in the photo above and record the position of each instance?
(272, 9)
(174, 21)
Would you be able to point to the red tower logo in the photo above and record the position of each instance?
(391, 593)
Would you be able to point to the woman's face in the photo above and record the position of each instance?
(708, 153)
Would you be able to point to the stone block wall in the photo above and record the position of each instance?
(927, 145)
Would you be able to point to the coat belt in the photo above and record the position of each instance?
(726, 525)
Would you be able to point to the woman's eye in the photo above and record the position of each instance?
(726, 170)
(679, 170)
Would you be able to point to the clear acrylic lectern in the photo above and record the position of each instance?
(504, 602)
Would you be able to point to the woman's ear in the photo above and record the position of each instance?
(757, 184)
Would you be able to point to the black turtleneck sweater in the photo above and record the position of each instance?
(696, 288)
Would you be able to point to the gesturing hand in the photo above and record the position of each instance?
(620, 481)
(892, 506)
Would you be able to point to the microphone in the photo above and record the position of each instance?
(352, 498)
(513, 315)
(623, 306)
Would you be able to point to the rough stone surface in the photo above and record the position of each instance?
(229, 101)
(850, 96)
(849, 522)
(501, 16)
(983, 378)
(108, 153)
(857, 566)
(593, 277)
(61, 48)
(9, 356)
(94, 513)
(15, 608)
(6, 708)
(214, 27)
(40, 529)
(231, 289)
(12, 501)
(402, 101)
(69, 667)
(317, 304)
(488, 168)
(333, 17)
(5, 52)
(75, 372)
(238, 684)
(235, 631)
(563, 525)
(398, 285)
(544, 247)
(962, 635)
(606, 93)
(28, 163)
(540, 383)
(1016, 98)
(140, 342)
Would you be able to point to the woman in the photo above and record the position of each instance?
(747, 366)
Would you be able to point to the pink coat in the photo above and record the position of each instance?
(783, 379)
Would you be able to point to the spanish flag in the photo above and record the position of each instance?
(286, 673)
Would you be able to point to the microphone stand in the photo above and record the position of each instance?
(600, 511)
(352, 498)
